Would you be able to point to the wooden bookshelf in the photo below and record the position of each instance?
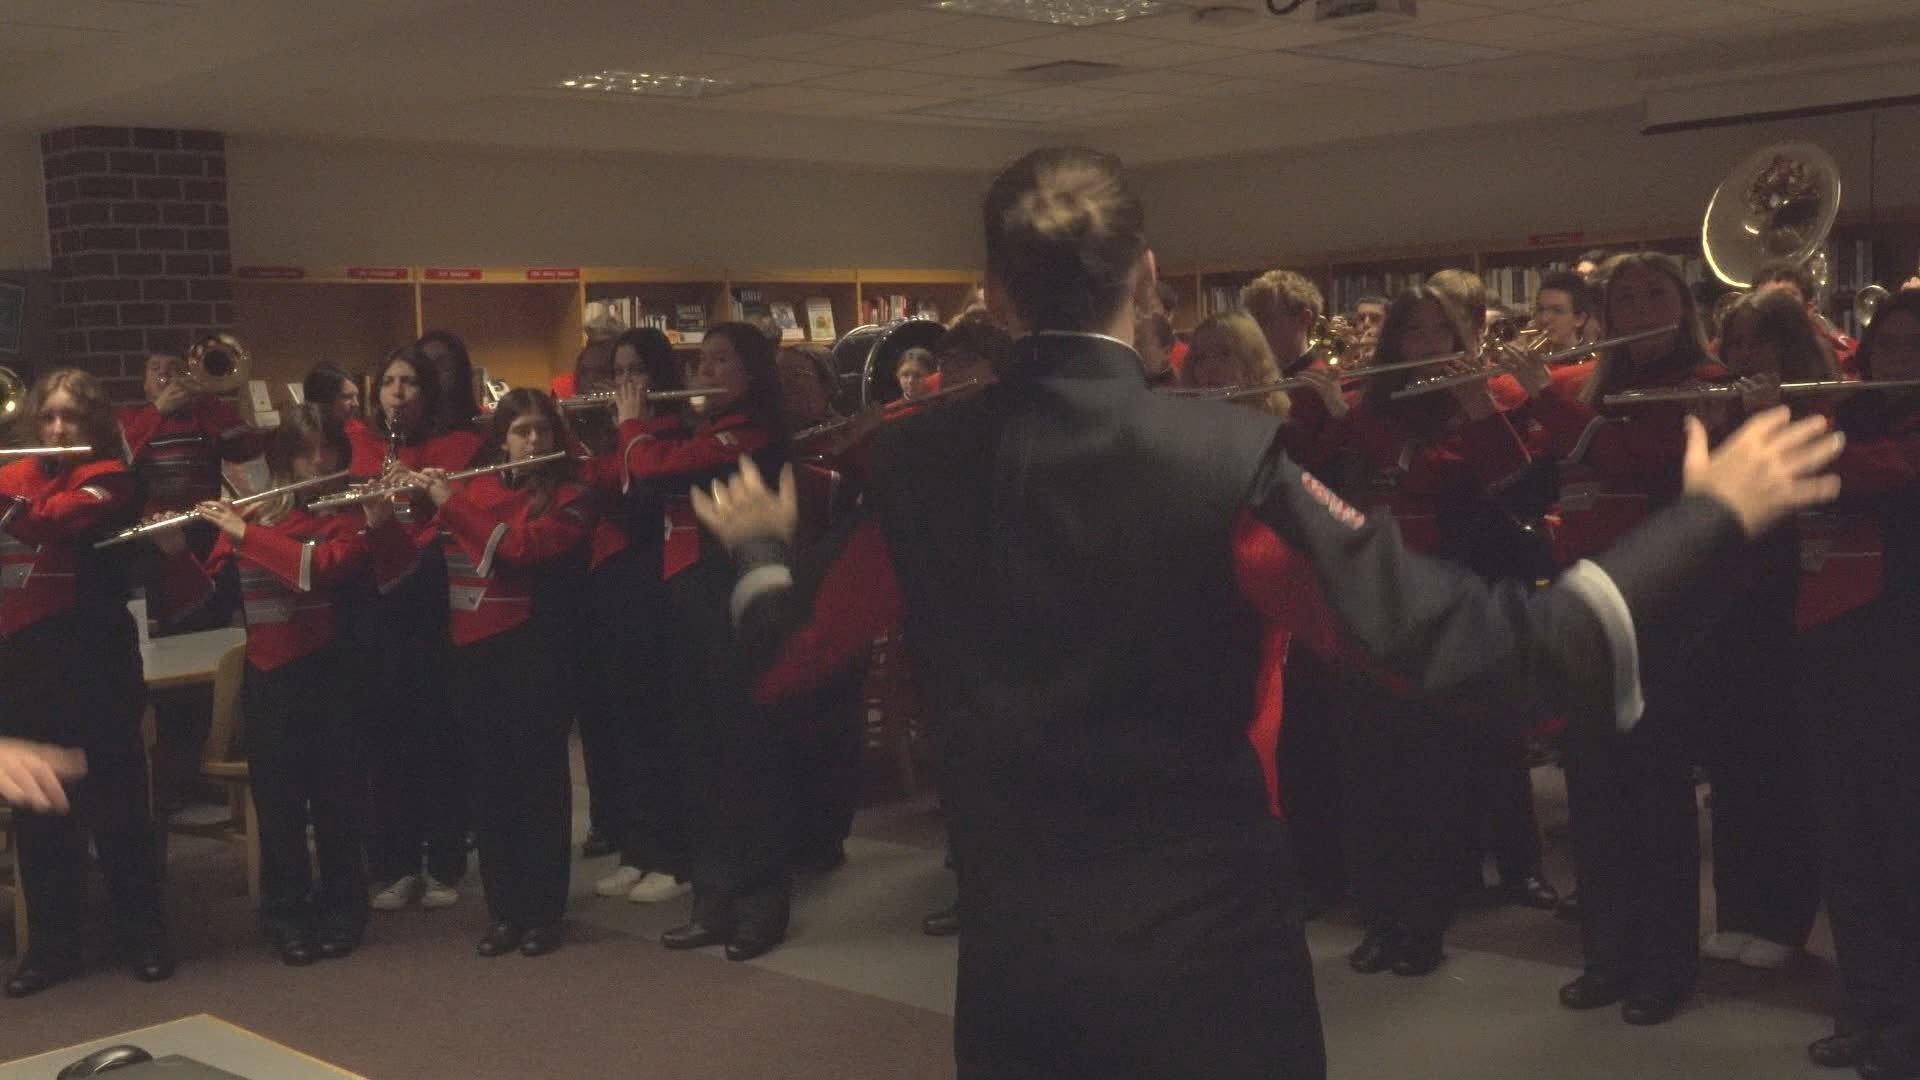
(841, 288)
(944, 291)
(523, 332)
(661, 293)
(289, 325)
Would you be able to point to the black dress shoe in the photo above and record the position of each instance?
(1377, 952)
(1419, 956)
(597, 845)
(942, 923)
(1592, 990)
(1531, 891)
(152, 964)
(745, 946)
(1568, 910)
(502, 939)
(36, 975)
(338, 936)
(1647, 1007)
(1840, 1051)
(294, 950)
(540, 940)
(694, 935)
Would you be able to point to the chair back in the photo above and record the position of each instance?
(224, 734)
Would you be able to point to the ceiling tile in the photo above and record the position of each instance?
(1630, 48)
(1667, 16)
(856, 53)
(879, 80)
(1183, 27)
(960, 86)
(1183, 83)
(35, 37)
(870, 104)
(1076, 98)
(1281, 67)
(956, 31)
(781, 98)
(1174, 54)
(1076, 45)
(792, 43)
(977, 62)
(1801, 26)
(119, 15)
(769, 71)
(1890, 11)
(909, 24)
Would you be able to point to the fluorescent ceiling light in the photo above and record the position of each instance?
(1059, 12)
(645, 82)
(1404, 50)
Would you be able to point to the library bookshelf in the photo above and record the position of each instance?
(525, 324)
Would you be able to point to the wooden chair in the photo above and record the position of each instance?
(224, 762)
(19, 894)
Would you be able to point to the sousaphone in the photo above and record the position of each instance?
(874, 352)
(1778, 204)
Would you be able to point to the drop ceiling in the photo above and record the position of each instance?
(864, 81)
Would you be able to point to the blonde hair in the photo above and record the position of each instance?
(1615, 369)
(1282, 290)
(1253, 362)
(1467, 292)
(98, 422)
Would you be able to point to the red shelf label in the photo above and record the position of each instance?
(1557, 239)
(269, 273)
(377, 273)
(553, 273)
(452, 273)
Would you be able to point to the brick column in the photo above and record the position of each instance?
(138, 222)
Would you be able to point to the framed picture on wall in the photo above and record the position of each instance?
(13, 312)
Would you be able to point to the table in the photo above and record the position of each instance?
(203, 1038)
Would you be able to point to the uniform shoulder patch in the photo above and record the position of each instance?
(1337, 507)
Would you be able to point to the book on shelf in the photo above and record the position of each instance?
(784, 319)
(750, 303)
(891, 308)
(690, 321)
(820, 319)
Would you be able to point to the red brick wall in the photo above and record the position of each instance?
(138, 223)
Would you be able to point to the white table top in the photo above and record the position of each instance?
(188, 658)
(204, 1038)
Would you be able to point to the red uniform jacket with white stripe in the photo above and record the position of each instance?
(499, 550)
(291, 575)
(660, 452)
(179, 455)
(1843, 548)
(49, 518)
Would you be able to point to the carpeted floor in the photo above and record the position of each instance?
(859, 992)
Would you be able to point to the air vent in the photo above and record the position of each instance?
(1066, 71)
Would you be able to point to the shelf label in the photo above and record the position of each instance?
(377, 273)
(452, 273)
(269, 273)
(1557, 239)
(553, 273)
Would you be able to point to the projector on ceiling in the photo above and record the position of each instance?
(1364, 14)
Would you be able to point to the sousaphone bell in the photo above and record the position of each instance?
(1778, 204)
(874, 351)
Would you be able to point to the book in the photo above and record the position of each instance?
(789, 326)
(820, 319)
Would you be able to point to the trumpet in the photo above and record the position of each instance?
(831, 426)
(1334, 339)
(1228, 393)
(174, 521)
(1733, 390)
(1494, 371)
(381, 491)
(44, 451)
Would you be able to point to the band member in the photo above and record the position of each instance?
(1229, 350)
(1563, 309)
(420, 807)
(1589, 265)
(512, 536)
(33, 776)
(1369, 314)
(1860, 697)
(1631, 795)
(1796, 281)
(807, 385)
(632, 702)
(1769, 333)
(1285, 305)
(1439, 465)
(303, 753)
(741, 879)
(334, 389)
(1153, 339)
(70, 676)
(180, 436)
(914, 370)
(1086, 568)
(459, 400)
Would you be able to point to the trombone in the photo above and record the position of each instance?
(1740, 389)
(1494, 371)
(1228, 393)
(174, 521)
(381, 491)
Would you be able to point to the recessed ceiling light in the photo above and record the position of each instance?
(646, 82)
(1059, 12)
(1404, 50)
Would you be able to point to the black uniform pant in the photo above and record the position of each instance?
(639, 789)
(1500, 815)
(513, 717)
(1865, 711)
(1635, 836)
(736, 763)
(824, 732)
(1403, 769)
(1156, 958)
(304, 761)
(420, 802)
(75, 680)
(1309, 770)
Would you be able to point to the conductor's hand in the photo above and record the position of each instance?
(742, 508)
(30, 774)
(1767, 469)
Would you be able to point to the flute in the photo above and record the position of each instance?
(371, 492)
(1494, 371)
(174, 521)
(45, 451)
(1786, 390)
(832, 426)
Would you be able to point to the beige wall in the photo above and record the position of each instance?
(1599, 175)
(328, 204)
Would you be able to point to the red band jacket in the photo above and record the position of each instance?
(50, 515)
(179, 455)
(499, 551)
(662, 454)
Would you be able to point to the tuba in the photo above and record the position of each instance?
(1778, 204)
(218, 365)
(13, 397)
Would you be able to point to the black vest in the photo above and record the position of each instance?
(1063, 541)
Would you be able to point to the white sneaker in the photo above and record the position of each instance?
(1767, 955)
(658, 888)
(398, 895)
(438, 896)
(1726, 945)
(619, 882)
